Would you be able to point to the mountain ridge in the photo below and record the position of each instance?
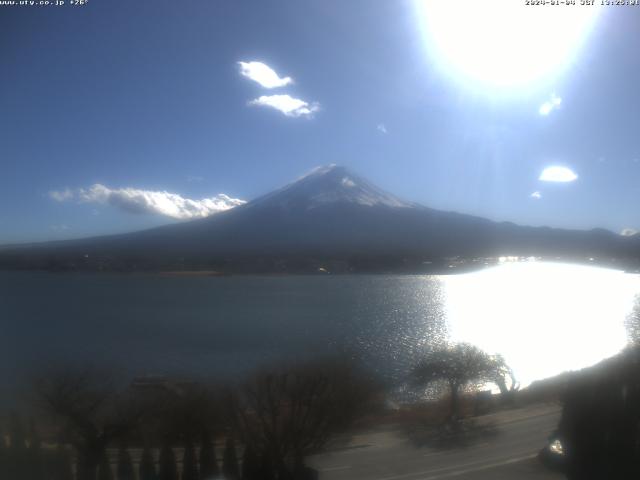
(328, 215)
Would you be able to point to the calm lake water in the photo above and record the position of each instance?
(544, 318)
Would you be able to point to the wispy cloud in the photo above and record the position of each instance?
(382, 128)
(558, 174)
(537, 195)
(548, 106)
(627, 232)
(61, 195)
(286, 104)
(263, 74)
(135, 200)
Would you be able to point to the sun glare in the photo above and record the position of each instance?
(544, 318)
(503, 43)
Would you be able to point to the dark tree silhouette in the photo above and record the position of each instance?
(3, 457)
(124, 469)
(168, 469)
(185, 411)
(35, 458)
(189, 462)
(18, 441)
(266, 469)
(504, 377)
(34, 437)
(63, 465)
(104, 468)
(230, 461)
(600, 417)
(91, 412)
(288, 415)
(250, 465)
(208, 462)
(17, 455)
(147, 468)
(459, 366)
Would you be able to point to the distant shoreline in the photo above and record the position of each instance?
(446, 266)
(191, 273)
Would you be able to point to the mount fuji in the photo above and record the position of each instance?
(331, 216)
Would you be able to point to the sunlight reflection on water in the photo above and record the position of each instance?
(544, 318)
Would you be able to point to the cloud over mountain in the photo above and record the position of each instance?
(135, 200)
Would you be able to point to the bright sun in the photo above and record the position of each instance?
(503, 43)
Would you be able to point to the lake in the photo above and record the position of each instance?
(544, 318)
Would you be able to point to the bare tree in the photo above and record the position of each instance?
(147, 467)
(459, 366)
(504, 377)
(167, 468)
(183, 415)
(284, 416)
(208, 462)
(17, 455)
(125, 469)
(250, 464)
(104, 468)
(189, 462)
(230, 468)
(91, 412)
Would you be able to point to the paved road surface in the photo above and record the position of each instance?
(387, 454)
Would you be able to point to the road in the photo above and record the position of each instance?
(387, 454)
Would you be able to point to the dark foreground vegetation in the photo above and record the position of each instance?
(89, 427)
(600, 424)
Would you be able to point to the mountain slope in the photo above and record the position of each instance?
(329, 214)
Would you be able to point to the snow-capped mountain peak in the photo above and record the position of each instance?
(330, 184)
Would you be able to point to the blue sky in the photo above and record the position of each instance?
(149, 96)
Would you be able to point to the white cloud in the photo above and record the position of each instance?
(160, 202)
(548, 106)
(146, 201)
(558, 174)
(382, 128)
(291, 107)
(61, 195)
(59, 228)
(537, 195)
(627, 232)
(263, 74)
